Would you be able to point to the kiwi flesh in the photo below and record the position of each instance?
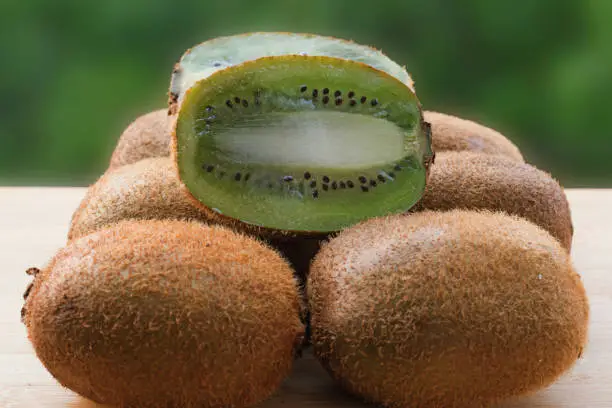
(166, 314)
(220, 53)
(304, 144)
(146, 190)
(446, 309)
(456, 134)
(147, 136)
(469, 180)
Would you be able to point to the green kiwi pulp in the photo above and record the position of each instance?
(302, 143)
(220, 53)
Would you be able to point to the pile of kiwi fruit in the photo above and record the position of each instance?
(295, 195)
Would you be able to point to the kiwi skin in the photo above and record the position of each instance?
(446, 309)
(166, 313)
(456, 134)
(147, 189)
(147, 136)
(471, 180)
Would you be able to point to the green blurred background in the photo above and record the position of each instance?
(75, 73)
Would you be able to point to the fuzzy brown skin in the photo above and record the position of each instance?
(478, 181)
(455, 309)
(147, 136)
(148, 189)
(456, 134)
(166, 314)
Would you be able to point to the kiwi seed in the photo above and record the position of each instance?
(455, 309)
(166, 313)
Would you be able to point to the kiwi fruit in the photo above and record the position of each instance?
(456, 134)
(307, 144)
(166, 314)
(469, 180)
(147, 189)
(446, 309)
(147, 136)
(204, 59)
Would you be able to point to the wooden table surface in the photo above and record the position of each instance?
(33, 225)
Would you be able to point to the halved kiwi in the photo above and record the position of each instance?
(301, 143)
(220, 53)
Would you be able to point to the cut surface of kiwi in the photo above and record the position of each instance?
(302, 143)
(219, 53)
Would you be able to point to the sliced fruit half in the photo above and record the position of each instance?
(220, 53)
(301, 143)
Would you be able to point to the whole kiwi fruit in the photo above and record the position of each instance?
(296, 132)
(148, 189)
(166, 314)
(147, 136)
(456, 134)
(469, 180)
(446, 309)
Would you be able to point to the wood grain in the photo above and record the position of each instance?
(34, 223)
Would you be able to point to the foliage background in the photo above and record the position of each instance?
(74, 73)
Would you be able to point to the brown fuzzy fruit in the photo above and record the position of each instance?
(148, 189)
(456, 134)
(147, 136)
(455, 309)
(166, 314)
(474, 181)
